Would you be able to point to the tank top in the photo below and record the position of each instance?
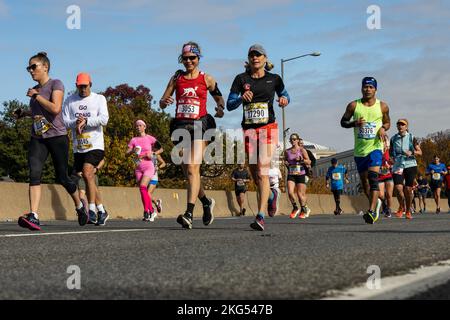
(295, 168)
(366, 137)
(191, 97)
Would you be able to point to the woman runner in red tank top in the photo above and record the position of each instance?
(191, 87)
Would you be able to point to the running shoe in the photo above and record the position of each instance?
(208, 212)
(185, 220)
(159, 205)
(388, 213)
(438, 210)
(408, 215)
(102, 217)
(82, 216)
(29, 221)
(92, 217)
(294, 213)
(399, 213)
(146, 216)
(370, 217)
(153, 215)
(307, 211)
(302, 215)
(336, 212)
(243, 212)
(272, 207)
(258, 224)
(340, 211)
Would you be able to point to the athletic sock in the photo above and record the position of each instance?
(205, 201)
(80, 205)
(100, 208)
(190, 208)
(146, 201)
(92, 207)
(36, 216)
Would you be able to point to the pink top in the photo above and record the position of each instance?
(145, 145)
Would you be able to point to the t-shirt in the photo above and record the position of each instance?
(337, 175)
(240, 175)
(437, 177)
(274, 177)
(144, 145)
(93, 108)
(48, 124)
(422, 185)
(259, 111)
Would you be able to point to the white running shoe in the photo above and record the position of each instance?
(159, 205)
(153, 216)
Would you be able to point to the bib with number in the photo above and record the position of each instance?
(84, 141)
(256, 113)
(296, 170)
(367, 131)
(188, 109)
(137, 152)
(240, 183)
(384, 171)
(336, 176)
(436, 176)
(41, 125)
(398, 171)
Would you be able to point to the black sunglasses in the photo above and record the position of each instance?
(32, 67)
(186, 58)
(255, 54)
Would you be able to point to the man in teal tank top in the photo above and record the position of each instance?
(369, 118)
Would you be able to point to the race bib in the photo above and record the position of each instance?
(367, 131)
(188, 111)
(384, 171)
(398, 171)
(296, 170)
(336, 176)
(41, 125)
(84, 141)
(436, 176)
(256, 113)
(240, 183)
(137, 152)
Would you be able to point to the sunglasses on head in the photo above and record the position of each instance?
(255, 54)
(191, 58)
(32, 67)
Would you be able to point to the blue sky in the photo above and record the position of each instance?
(138, 42)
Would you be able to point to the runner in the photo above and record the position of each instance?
(403, 150)
(447, 187)
(48, 135)
(338, 176)
(436, 171)
(86, 113)
(158, 163)
(141, 149)
(274, 181)
(191, 87)
(255, 89)
(385, 181)
(370, 122)
(296, 160)
(422, 189)
(241, 177)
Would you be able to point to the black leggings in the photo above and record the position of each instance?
(38, 152)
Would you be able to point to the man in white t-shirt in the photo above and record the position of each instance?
(85, 113)
(274, 180)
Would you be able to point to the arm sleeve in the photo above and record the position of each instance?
(281, 90)
(103, 116)
(234, 100)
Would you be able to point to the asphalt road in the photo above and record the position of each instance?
(301, 259)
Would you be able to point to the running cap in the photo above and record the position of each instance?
(83, 79)
(369, 81)
(191, 48)
(404, 121)
(333, 161)
(141, 122)
(258, 48)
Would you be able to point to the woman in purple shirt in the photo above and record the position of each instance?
(48, 136)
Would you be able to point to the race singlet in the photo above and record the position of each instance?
(296, 170)
(367, 131)
(84, 141)
(336, 176)
(256, 113)
(41, 125)
(436, 176)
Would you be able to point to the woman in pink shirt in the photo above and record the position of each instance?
(142, 148)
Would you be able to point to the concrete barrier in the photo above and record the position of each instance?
(125, 203)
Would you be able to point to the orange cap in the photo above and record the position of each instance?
(83, 79)
(404, 121)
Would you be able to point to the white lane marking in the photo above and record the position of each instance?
(37, 234)
(399, 287)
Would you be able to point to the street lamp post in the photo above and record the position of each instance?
(313, 54)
